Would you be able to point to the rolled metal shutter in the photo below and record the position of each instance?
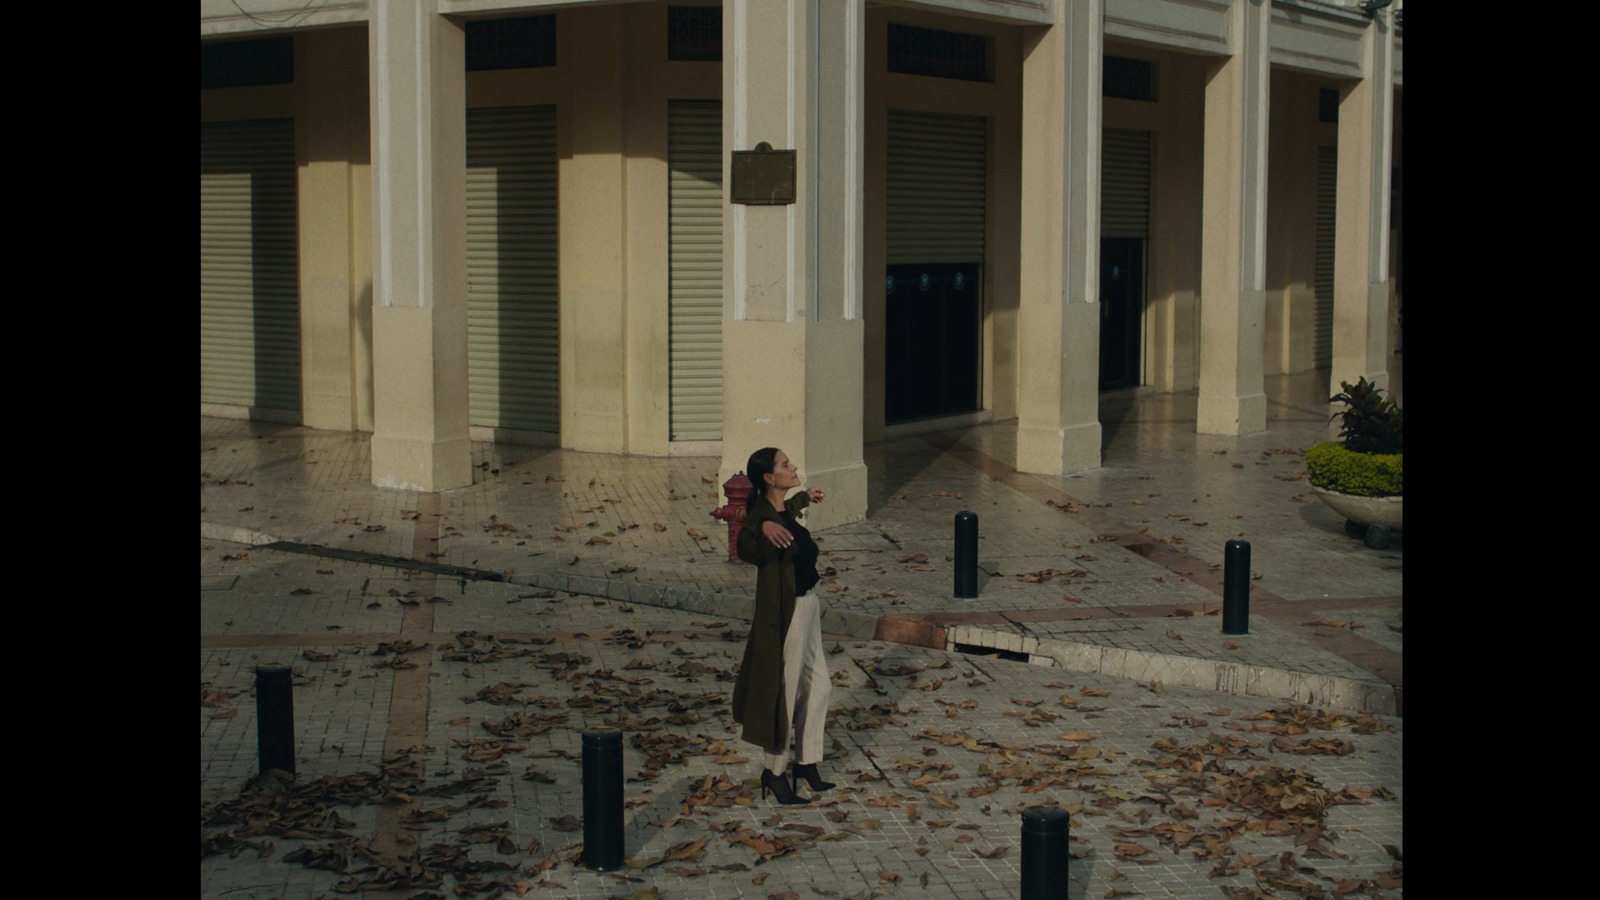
(1125, 183)
(512, 284)
(694, 235)
(1322, 286)
(249, 266)
(938, 170)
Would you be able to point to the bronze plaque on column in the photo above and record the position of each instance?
(763, 176)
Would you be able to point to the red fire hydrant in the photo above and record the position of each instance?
(738, 490)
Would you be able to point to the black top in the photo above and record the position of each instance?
(803, 552)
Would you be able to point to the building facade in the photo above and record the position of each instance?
(447, 220)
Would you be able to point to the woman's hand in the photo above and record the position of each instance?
(777, 534)
(816, 495)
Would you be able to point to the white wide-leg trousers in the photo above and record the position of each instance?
(805, 686)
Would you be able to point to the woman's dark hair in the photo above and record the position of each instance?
(761, 464)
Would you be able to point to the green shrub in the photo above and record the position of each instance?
(1335, 467)
(1371, 423)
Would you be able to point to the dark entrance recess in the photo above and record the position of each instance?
(1121, 301)
(931, 357)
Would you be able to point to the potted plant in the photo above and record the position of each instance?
(1361, 476)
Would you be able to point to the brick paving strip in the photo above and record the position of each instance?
(408, 704)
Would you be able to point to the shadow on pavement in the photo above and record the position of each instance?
(643, 822)
(893, 464)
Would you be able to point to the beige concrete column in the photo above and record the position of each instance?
(593, 257)
(1233, 246)
(330, 98)
(1361, 228)
(1058, 390)
(792, 329)
(648, 87)
(1290, 188)
(419, 320)
(1172, 318)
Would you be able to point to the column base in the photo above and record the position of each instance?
(1059, 451)
(419, 465)
(846, 488)
(1232, 415)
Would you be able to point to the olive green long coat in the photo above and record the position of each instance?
(758, 702)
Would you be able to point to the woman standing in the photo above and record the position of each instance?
(781, 696)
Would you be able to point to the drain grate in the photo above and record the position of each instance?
(994, 652)
(383, 559)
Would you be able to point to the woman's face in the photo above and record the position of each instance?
(784, 475)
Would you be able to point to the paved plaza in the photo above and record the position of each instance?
(449, 650)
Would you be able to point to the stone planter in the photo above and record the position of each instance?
(1371, 518)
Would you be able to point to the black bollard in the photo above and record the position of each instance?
(1045, 832)
(966, 555)
(602, 799)
(1236, 588)
(274, 718)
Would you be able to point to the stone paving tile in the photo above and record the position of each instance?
(529, 513)
(599, 523)
(1251, 487)
(341, 713)
(878, 832)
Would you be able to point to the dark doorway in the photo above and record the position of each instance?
(931, 358)
(1121, 301)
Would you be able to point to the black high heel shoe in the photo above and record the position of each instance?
(780, 788)
(812, 777)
